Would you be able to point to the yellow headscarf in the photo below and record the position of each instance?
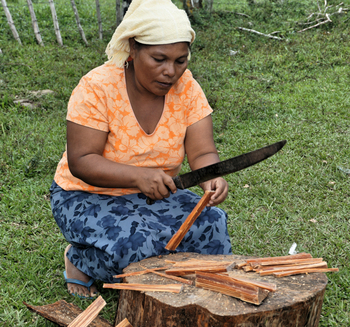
(150, 22)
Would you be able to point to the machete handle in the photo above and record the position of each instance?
(178, 184)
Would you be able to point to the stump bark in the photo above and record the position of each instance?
(296, 302)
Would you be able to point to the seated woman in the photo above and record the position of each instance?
(130, 123)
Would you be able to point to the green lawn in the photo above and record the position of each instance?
(296, 89)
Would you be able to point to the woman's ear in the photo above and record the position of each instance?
(132, 47)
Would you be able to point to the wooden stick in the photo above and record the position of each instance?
(227, 285)
(88, 315)
(124, 323)
(290, 262)
(304, 271)
(268, 286)
(259, 33)
(10, 22)
(179, 279)
(286, 268)
(80, 29)
(197, 262)
(35, 23)
(55, 23)
(192, 270)
(141, 272)
(173, 288)
(180, 234)
(302, 255)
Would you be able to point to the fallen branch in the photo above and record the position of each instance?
(180, 234)
(87, 316)
(259, 33)
(173, 288)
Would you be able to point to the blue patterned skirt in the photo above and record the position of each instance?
(107, 233)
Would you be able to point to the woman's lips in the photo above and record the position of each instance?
(165, 85)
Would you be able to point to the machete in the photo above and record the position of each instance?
(225, 167)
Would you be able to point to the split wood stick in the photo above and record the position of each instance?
(88, 315)
(179, 279)
(140, 272)
(227, 285)
(275, 270)
(199, 263)
(304, 271)
(268, 286)
(288, 267)
(10, 22)
(180, 234)
(124, 323)
(290, 262)
(173, 288)
(192, 270)
(302, 255)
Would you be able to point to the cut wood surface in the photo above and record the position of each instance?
(232, 287)
(89, 314)
(180, 234)
(173, 288)
(63, 313)
(124, 323)
(297, 301)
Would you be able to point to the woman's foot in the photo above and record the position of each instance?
(73, 272)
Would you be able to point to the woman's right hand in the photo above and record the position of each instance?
(154, 183)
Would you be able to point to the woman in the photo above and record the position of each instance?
(130, 123)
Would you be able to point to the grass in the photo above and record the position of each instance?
(296, 90)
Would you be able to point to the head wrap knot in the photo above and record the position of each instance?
(150, 22)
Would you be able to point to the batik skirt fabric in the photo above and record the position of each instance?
(107, 233)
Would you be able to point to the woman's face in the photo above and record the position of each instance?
(158, 67)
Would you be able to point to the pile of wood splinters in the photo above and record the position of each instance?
(214, 276)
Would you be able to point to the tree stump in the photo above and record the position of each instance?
(297, 301)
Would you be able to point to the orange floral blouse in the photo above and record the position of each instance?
(100, 101)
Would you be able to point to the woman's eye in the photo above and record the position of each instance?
(158, 60)
(180, 62)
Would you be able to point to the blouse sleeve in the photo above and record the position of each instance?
(198, 107)
(87, 106)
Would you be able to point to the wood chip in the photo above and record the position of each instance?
(124, 323)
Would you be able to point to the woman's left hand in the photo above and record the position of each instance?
(220, 186)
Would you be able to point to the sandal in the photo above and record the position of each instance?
(79, 282)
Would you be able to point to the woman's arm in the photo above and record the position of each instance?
(201, 152)
(84, 152)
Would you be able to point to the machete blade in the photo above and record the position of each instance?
(228, 166)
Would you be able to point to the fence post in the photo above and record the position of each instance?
(80, 29)
(99, 19)
(10, 21)
(55, 23)
(34, 22)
